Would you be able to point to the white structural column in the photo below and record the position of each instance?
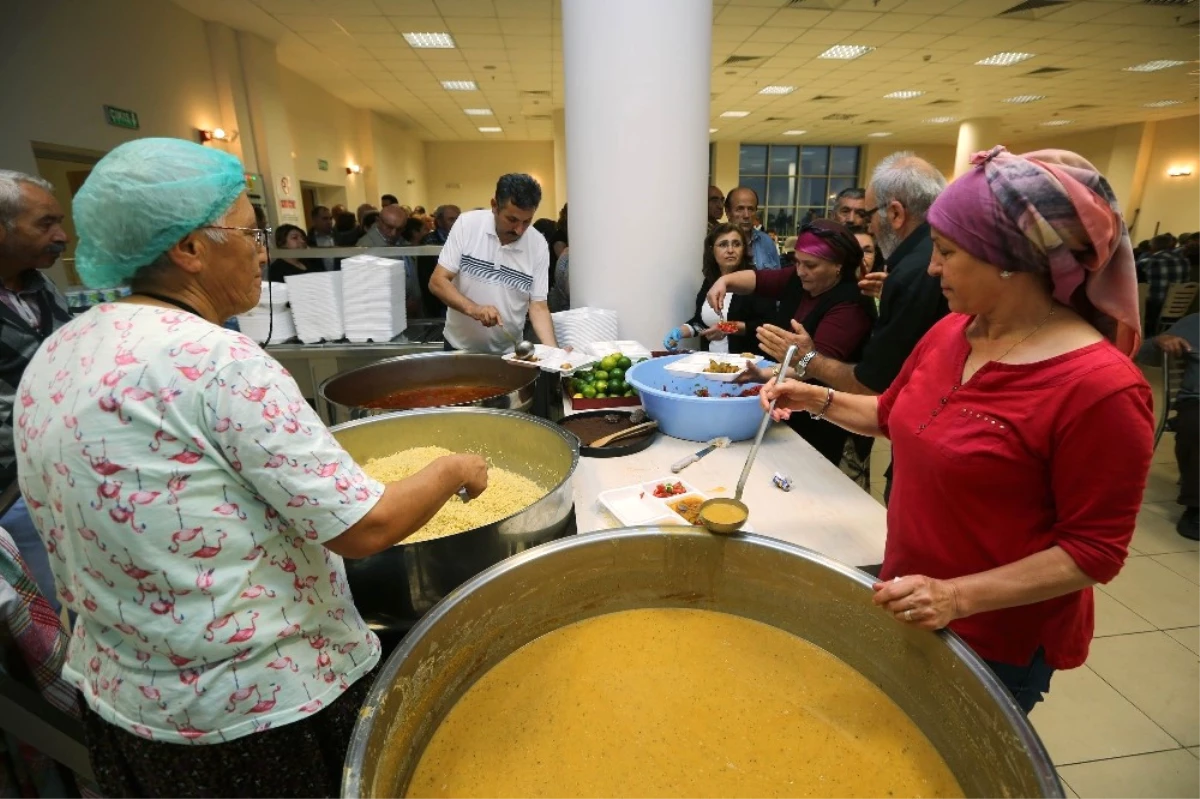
(637, 113)
(560, 160)
(975, 135)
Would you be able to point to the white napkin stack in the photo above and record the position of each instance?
(271, 316)
(373, 298)
(317, 306)
(579, 327)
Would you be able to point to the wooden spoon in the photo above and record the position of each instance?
(632, 431)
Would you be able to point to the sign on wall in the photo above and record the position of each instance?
(322, 165)
(121, 117)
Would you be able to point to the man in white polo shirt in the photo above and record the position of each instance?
(493, 270)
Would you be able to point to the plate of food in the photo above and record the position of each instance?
(552, 359)
(665, 501)
(714, 366)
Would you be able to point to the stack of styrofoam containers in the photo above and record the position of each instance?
(317, 306)
(270, 317)
(373, 298)
(579, 327)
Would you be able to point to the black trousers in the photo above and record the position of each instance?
(1029, 683)
(1187, 451)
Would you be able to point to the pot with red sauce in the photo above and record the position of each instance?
(432, 380)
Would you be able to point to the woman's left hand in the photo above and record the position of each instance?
(919, 601)
(714, 333)
(774, 341)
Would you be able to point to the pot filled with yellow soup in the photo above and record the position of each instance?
(671, 662)
(528, 502)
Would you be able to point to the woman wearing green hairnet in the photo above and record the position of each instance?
(194, 508)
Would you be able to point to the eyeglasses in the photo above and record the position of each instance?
(261, 235)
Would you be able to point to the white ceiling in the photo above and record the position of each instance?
(513, 50)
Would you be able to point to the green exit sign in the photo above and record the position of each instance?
(322, 165)
(121, 117)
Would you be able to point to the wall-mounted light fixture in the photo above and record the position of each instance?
(217, 134)
(1179, 171)
(354, 169)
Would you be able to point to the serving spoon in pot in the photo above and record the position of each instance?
(523, 349)
(722, 514)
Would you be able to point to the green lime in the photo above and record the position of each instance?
(609, 361)
(600, 386)
(616, 373)
(577, 396)
(584, 376)
(601, 395)
(588, 392)
(629, 393)
(600, 374)
(624, 362)
(616, 386)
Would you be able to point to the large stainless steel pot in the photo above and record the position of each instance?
(935, 678)
(345, 393)
(394, 588)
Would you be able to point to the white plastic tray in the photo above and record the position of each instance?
(630, 349)
(697, 362)
(636, 505)
(554, 360)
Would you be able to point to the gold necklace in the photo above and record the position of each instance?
(1029, 335)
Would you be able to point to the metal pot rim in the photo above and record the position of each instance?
(351, 780)
(407, 358)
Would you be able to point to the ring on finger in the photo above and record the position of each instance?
(908, 615)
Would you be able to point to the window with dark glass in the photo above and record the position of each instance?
(796, 184)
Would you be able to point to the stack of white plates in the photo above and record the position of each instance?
(317, 306)
(373, 298)
(270, 317)
(579, 327)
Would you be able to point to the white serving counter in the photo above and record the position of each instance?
(825, 511)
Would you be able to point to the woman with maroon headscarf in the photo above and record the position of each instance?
(822, 294)
(1025, 430)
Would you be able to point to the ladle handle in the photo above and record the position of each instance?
(762, 428)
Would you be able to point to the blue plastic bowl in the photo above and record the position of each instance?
(671, 400)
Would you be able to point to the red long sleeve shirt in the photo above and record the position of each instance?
(1016, 460)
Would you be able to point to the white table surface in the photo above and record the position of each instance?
(824, 511)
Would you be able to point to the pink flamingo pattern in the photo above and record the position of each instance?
(183, 488)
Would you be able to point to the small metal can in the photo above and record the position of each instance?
(782, 481)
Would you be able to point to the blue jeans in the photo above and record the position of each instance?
(20, 526)
(1029, 683)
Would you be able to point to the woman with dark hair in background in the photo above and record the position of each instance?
(726, 251)
(290, 237)
(821, 294)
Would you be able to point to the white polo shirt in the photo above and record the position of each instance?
(507, 277)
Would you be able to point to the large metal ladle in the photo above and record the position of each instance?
(734, 510)
(523, 349)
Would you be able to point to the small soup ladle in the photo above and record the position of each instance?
(733, 513)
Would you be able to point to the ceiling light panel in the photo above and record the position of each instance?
(1056, 123)
(903, 95)
(880, 134)
(459, 86)
(1021, 99)
(430, 41)
(939, 120)
(794, 132)
(477, 112)
(1004, 59)
(490, 130)
(1163, 103)
(777, 90)
(735, 114)
(1153, 66)
(846, 52)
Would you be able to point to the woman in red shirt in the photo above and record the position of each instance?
(821, 293)
(1025, 431)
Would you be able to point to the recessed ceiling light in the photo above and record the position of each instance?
(736, 114)
(777, 90)
(430, 41)
(1163, 103)
(846, 52)
(1024, 98)
(794, 132)
(459, 85)
(1153, 66)
(939, 120)
(1055, 123)
(880, 134)
(907, 94)
(712, 130)
(489, 130)
(477, 112)
(1004, 59)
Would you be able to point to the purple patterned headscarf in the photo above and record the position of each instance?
(1052, 212)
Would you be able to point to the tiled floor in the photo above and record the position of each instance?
(1127, 723)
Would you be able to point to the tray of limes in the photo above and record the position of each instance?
(605, 380)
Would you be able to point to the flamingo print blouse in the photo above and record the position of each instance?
(184, 488)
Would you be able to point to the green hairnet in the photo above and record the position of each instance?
(143, 197)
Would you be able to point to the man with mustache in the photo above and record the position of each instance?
(31, 308)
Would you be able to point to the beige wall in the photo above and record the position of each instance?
(1172, 203)
(323, 127)
(68, 59)
(465, 173)
(399, 164)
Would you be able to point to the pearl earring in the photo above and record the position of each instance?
(1006, 274)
